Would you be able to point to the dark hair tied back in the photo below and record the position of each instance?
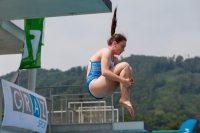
(114, 22)
(115, 37)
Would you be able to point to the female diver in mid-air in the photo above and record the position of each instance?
(105, 74)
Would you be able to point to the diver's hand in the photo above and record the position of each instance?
(128, 83)
(132, 80)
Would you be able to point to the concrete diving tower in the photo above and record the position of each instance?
(24, 9)
(119, 127)
(116, 127)
(12, 37)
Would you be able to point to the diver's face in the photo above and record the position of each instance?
(120, 47)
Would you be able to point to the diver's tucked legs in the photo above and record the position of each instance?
(103, 87)
(125, 92)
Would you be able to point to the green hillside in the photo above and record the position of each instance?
(166, 91)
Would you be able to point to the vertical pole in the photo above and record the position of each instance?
(66, 111)
(51, 107)
(50, 116)
(82, 118)
(90, 116)
(99, 111)
(122, 114)
(74, 113)
(18, 81)
(61, 116)
(112, 108)
(52, 111)
(32, 79)
(81, 113)
(1, 102)
(117, 115)
(104, 111)
(72, 119)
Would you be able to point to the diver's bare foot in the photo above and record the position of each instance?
(128, 105)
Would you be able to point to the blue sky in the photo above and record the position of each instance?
(153, 28)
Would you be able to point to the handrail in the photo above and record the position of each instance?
(46, 87)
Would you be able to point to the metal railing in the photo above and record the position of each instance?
(80, 108)
(66, 108)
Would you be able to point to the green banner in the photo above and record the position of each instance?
(31, 57)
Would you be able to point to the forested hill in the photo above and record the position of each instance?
(167, 90)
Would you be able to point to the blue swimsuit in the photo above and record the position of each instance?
(95, 72)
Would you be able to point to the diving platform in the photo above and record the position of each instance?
(119, 127)
(14, 130)
(23, 9)
(116, 127)
(11, 38)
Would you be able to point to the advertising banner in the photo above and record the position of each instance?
(31, 57)
(24, 108)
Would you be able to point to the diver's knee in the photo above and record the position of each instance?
(125, 64)
(131, 70)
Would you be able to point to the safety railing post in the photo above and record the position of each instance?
(66, 109)
(112, 108)
(122, 114)
(99, 111)
(104, 111)
(74, 112)
(50, 115)
(52, 109)
(61, 115)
